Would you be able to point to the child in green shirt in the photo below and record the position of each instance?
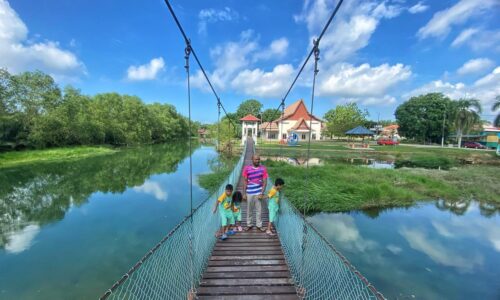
(273, 205)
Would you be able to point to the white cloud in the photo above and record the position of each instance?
(418, 8)
(148, 71)
(439, 253)
(154, 189)
(211, 15)
(394, 249)
(363, 81)
(485, 89)
(464, 36)
(22, 240)
(354, 25)
(264, 84)
(277, 49)
(234, 67)
(475, 66)
(478, 39)
(342, 229)
(442, 21)
(18, 54)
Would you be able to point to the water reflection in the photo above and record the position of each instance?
(314, 161)
(441, 250)
(42, 193)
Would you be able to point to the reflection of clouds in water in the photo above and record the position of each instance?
(394, 249)
(152, 188)
(21, 240)
(474, 227)
(438, 252)
(342, 229)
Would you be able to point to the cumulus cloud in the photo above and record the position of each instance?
(154, 189)
(438, 252)
(418, 8)
(147, 71)
(354, 25)
(277, 49)
(485, 89)
(235, 69)
(442, 21)
(475, 66)
(264, 84)
(18, 54)
(21, 240)
(362, 81)
(211, 15)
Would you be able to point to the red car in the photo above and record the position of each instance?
(385, 141)
(474, 145)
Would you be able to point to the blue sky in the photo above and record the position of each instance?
(376, 53)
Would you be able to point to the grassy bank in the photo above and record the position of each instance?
(337, 150)
(221, 168)
(341, 187)
(14, 158)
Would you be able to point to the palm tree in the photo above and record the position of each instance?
(466, 116)
(496, 106)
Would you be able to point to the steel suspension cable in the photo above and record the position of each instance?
(186, 39)
(311, 52)
(187, 52)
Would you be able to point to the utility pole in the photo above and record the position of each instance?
(442, 131)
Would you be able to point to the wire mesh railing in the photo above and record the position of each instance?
(173, 268)
(319, 270)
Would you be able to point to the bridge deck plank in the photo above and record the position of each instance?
(248, 265)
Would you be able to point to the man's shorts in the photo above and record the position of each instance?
(226, 216)
(273, 208)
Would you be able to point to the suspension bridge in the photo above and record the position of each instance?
(190, 263)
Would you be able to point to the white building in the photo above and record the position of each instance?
(296, 119)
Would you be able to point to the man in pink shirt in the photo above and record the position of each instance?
(254, 186)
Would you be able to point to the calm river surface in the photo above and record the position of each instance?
(429, 251)
(70, 230)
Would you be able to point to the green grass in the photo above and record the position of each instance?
(337, 150)
(14, 158)
(212, 181)
(342, 187)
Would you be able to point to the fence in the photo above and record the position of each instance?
(174, 267)
(319, 270)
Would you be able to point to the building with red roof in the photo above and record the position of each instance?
(296, 118)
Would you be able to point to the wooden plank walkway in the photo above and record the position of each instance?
(248, 265)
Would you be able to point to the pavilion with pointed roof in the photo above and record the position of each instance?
(296, 118)
(249, 128)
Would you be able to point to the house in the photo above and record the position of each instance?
(490, 136)
(296, 118)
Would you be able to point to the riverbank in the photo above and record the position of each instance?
(343, 187)
(15, 158)
(339, 150)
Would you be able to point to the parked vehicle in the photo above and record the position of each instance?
(386, 141)
(474, 145)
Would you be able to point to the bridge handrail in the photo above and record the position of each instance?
(319, 270)
(168, 270)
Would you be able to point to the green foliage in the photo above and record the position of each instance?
(344, 117)
(33, 111)
(496, 106)
(250, 106)
(225, 132)
(342, 187)
(221, 167)
(466, 115)
(270, 114)
(421, 117)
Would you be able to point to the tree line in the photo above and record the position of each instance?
(35, 112)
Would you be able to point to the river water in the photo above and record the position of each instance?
(434, 250)
(70, 230)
